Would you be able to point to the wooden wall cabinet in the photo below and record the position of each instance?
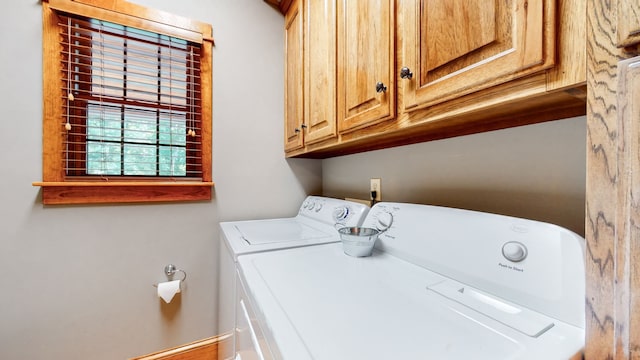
(612, 226)
(417, 70)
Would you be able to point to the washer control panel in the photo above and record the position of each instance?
(383, 217)
(333, 211)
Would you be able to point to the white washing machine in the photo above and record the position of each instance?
(316, 223)
(442, 283)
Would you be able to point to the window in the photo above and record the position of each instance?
(127, 104)
(131, 105)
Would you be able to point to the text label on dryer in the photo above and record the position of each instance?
(510, 267)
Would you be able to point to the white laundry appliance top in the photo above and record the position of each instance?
(316, 222)
(442, 284)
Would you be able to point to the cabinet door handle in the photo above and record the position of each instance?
(296, 130)
(304, 126)
(380, 87)
(405, 73)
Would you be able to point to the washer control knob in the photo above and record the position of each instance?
(514, 251)
(318, 207)
(385, 219)
(341, 213)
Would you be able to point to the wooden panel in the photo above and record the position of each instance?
(206, 349)
(487, 110)
(628, 210)
(629, 23)
(631, 118)
(294, 90)
(275, 4)
(52, 167)
(100, 194)
(497, 41)
(611, 227)
(366, 54)
(285, 5)
(454, 28)
(125, 7)
(282, 5)
(206, 110)
(144, 18)
(320, 70)
(571, 62)
(578, 356)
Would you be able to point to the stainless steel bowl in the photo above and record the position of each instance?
(358, 241)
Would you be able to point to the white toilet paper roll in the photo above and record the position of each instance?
(167, 290)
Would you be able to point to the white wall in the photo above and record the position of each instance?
(536, 171)
(84, 291)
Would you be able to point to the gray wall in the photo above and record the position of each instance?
(77, 280)
(536, 171)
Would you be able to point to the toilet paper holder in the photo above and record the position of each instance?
(170, 270)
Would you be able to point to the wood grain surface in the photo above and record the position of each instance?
(613, 137)
(294, 77)
(320, 70)
(206, 349)
(366, 56)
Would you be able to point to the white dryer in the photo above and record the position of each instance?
(316, 223)
(442, 283)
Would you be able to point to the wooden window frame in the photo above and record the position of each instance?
(57, 188)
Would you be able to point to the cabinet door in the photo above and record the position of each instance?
(365, 57)
(320, 70)
(456, 47)
(293, 97)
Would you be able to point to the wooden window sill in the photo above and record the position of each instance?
(92, 192)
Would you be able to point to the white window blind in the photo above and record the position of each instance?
(133, 103)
